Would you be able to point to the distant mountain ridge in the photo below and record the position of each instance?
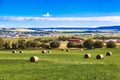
(79, 28)
(110, 27)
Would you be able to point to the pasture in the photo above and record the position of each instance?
(59, 65)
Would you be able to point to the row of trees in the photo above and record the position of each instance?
(90, 44)
(23, 44)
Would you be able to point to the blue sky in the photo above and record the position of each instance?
(59, 13)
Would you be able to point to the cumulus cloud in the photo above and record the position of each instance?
(102, 18)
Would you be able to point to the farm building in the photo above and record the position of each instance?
(74, 40)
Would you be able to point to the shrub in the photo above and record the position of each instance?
(45, 46)
(70, 44)
(74, 45)
(98, 44)
(54, 44)
(110, 44)
(88, 44)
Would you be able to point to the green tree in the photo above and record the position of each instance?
(1, 42)
(21, 44)
(7, 45)
(35, 44)
(14, 45)
(88, 44)
(110, 44)
(54, 44)
(98, 44)
(29, 44)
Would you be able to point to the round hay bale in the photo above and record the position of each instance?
(87, 56)
(81, 49)
(99, 56)
(109, 53)
(13, 51)
(62, 49)
(20, 51)
(49, 51)
(34, 59)
(67, 50)
(43, 51)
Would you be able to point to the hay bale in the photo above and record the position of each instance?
(87, 56)
(109, 53)
(34, 59)
(81, 49)
(62, 49)
(20, 51)
(99, 56)
(43, 51)
(67, 50)
(49, 51)
(13, 51)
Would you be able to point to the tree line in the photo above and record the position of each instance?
(24, 44)
(90, 44)
(37, 43)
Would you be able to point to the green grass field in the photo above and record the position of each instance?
(60, 65)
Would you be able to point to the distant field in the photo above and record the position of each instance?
(60, 65)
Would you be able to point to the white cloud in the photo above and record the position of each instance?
(47, 15)
(102, 18)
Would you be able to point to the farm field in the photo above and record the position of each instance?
(60, 65)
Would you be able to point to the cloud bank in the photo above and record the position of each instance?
(46, 21)
(102, 18)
